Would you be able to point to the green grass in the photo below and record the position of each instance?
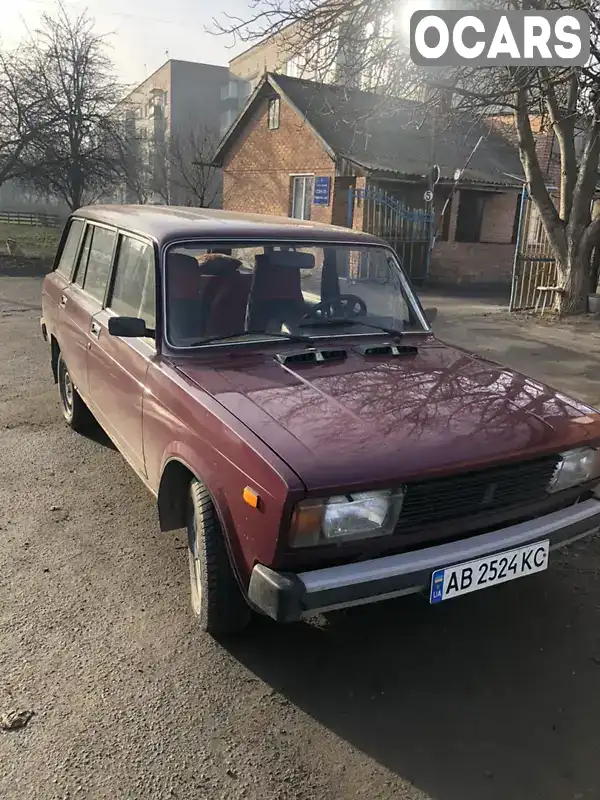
(35, 241)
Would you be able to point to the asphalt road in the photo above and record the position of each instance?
(492, 697)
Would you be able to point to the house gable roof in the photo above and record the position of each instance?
(267, 87)
(386, 136)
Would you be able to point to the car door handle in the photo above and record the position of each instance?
(63, 301)
(95, 329)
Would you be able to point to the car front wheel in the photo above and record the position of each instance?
(73, 408)
(217, 600)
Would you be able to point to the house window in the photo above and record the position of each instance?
(470, 216)
(301, 189)
(273, 113)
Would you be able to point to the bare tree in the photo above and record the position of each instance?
(24, 114)
(193, 176)
(134, 168)
(79, 154)
(178, 170)
(371, 51)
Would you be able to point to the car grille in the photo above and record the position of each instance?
(444, 499)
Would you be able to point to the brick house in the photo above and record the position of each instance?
(316, 151)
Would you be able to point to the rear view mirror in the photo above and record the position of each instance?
(431, 315)
(132, 327)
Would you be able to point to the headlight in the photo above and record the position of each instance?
(576, 467)
(346, 517)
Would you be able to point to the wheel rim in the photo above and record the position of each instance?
(66, 389)
(194, 561)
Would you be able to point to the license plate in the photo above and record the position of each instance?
(489, 571)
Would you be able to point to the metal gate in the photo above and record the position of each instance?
(407, 230)
(534, 267)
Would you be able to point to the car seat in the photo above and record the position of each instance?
(183, 280)
(276, 295)
(224, 296)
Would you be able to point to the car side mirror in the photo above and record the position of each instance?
(431, 315)
(132, 327)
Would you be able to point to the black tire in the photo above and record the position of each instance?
(74, 410)
(217, 600)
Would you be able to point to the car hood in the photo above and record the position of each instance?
(372, 420)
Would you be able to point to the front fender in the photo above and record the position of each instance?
(173, 494)
(251, 534)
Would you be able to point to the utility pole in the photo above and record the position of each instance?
(434, 176)
(457, 177)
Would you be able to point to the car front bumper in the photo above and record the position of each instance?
(287, 597)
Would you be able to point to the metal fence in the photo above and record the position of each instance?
(534, 268)
(407, 230)
(33, 218)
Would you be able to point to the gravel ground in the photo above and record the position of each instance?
(487, 698)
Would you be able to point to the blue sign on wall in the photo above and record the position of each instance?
(322, 191)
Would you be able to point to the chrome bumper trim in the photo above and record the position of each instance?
(286, 596)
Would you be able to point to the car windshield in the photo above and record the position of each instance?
(235, 293)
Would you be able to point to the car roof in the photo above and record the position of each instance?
(168, 223)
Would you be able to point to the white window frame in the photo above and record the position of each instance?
(293, 177)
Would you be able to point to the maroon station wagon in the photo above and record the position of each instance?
(277, 386)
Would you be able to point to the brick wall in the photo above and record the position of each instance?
(487, 262)
(257, 170)
(463, 263)
(498, 217)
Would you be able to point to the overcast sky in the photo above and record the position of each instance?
(141, 32)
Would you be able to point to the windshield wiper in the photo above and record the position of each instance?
(327, 323)
(288, 337)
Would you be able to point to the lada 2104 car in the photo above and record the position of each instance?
(278, 387)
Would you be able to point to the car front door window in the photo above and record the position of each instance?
(134, 287)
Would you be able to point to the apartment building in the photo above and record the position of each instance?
(332, 56)
(174, 121)
(322, 60)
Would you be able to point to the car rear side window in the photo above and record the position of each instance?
(69, 252)
(99, 262)
(134, 287)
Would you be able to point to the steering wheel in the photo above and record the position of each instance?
(345, 306)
